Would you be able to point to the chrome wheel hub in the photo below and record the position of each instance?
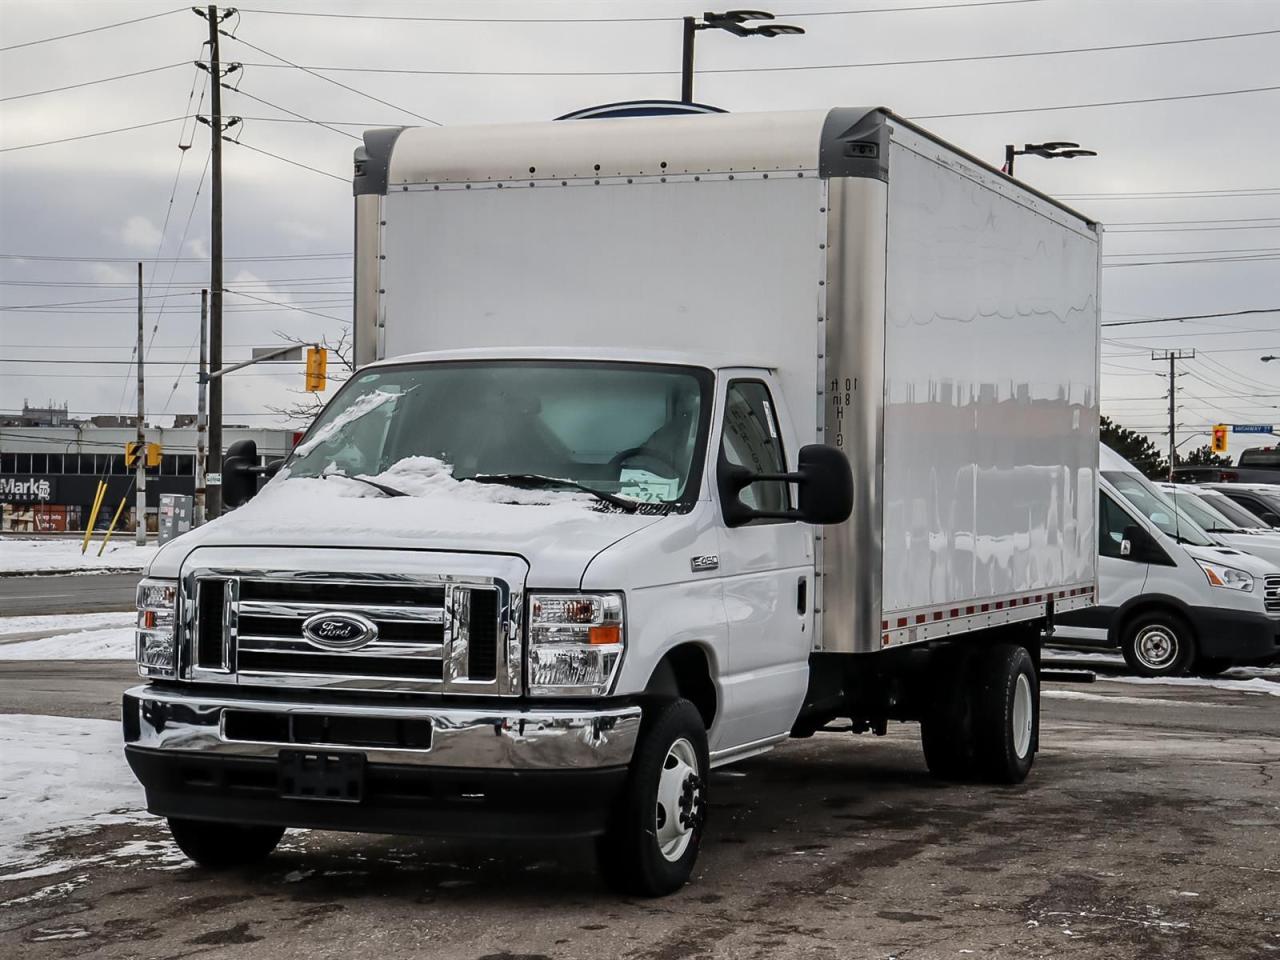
(678, 811)
(1156, 647)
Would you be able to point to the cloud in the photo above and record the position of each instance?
(139, 233)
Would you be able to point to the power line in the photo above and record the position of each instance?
(276, 156)
(281, 257)
(1112, 233)
(98, 133)
(1161, 223)
(81, 33)
(1166, 253)
(1162, 263)
(789, 16)
(337, 83)
(193, 284)
(1098, 103)
(1189, 316)
(287, 306)
(276, 106)
(90, 83)
(1169, 194)
(779, 69)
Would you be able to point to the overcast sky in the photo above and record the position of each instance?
(109, 196)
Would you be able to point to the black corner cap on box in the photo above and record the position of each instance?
(855, 143)
(373, 160)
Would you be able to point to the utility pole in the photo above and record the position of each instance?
(140, 451)
(1172, 356)
(213, 493)
(202, 419)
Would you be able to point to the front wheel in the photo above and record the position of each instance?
(653, 842)
(1158, 645)
(219, 846)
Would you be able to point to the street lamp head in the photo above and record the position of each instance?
(1053, 145)
(1268, 358)
(777, 30)
(1076, 153)
(739, 16)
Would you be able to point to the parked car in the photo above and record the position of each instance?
(1169, 597)
(1261, 499)
(1257, 465)
(1204, 508)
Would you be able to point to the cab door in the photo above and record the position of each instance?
(1121, 576)
(766, 566)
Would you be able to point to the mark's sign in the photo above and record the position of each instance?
(26, 489)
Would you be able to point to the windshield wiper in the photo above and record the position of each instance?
(389, 491)
(538, 480)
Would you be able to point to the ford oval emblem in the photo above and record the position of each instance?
(339, 631)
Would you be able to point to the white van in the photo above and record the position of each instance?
(1168, 596)
(1216, 514)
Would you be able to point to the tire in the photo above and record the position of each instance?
(1212, 666)
(653, 841)
(1158, 644)
(219, 846)
(946, 730)
(1006, 716)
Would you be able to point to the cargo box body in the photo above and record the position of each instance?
(934, 319)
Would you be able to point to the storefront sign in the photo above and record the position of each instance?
(27, 489)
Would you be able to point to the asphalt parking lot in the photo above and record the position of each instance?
(1150, 827)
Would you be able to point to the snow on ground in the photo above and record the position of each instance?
(49, 555)
(84, 636)
(1251, 685)
(57, 776)
(1138, 701)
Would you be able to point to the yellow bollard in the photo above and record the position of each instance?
(93, 515)
(111, 529)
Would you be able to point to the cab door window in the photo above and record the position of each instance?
(1111, 525)
(751, 439)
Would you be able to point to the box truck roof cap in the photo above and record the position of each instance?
(840, 142)
(668, 357)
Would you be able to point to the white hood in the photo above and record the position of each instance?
(1232, 557)
(556, 532)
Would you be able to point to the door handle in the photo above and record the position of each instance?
(802, 596)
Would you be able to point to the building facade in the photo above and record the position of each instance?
(49, 476)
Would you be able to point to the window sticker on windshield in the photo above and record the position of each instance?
(647, 487)
(768, 418)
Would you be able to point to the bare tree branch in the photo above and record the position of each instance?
(307, 407)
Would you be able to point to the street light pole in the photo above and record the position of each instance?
(1050, 150)
(731, 21)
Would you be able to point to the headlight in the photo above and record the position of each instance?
(157, 628)
(575, 643)
(1228, 577)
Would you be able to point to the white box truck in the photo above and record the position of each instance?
(671, 438)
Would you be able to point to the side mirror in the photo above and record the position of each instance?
(1135, 543)
(240, 472)
(824, 478)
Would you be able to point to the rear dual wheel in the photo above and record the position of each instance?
(985, 721)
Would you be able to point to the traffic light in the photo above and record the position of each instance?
(1219, 444)
(130, 453)
(317, 361)
(153, 454)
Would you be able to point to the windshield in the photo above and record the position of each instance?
(1236, 513)
(1155, 506)
(634, 430)
(1201, 512)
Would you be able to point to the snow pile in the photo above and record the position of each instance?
(1251, 685)
(48, 555)
(359, 407)
(439, 508)
(58, 775)
(86, 636)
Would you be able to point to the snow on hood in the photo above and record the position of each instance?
(556, 531)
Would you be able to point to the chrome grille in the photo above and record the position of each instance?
(1271, 594)
(434, 632)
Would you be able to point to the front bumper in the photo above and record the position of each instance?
(1236, 635)
(500, 772)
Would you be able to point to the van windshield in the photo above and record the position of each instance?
(1148, 500)
(1201, 512)
(627, 430)
(1238, 514)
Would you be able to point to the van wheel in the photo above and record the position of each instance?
(653, 842)
(222, 845)
(1006, 723)
(1158, 644)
